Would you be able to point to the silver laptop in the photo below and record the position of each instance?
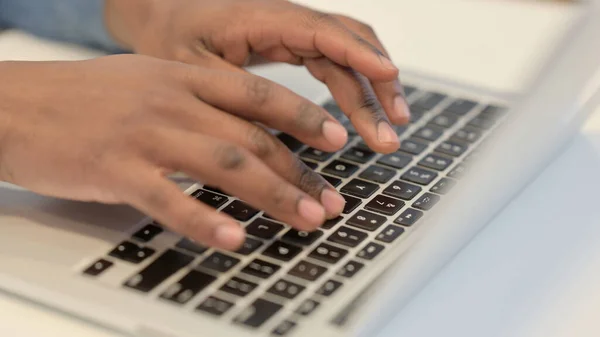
(465, 155)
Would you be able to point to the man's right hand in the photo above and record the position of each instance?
(109, 130)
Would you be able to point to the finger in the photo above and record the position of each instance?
(356, 98)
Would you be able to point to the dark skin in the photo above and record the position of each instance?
(111, 129)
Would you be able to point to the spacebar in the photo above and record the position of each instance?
(159, 270)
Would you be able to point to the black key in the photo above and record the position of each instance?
(307, 307)
(292, 143)
(347, 236)
(444, 120)
(436, 162)
(302, 238)
(457, 172)
(350, 269)
(399, 129)
(340, 169)
(190, 246)
(413, 146)
(313, 166)
(260, 268)
(282, 251)
(396, 160)
(238, 287)
(351, 203)
(481, 122)
(214, 306)
(328, 253)
(443, 186)
(263, 228)
(214, 189)
(358, 155)
(98, 267)
(402, 190)
(359, 188)
(426, 201)
(147, 233)
(159, 270)
(250, 246)
(329, 288)
(219, 262)
(335, 182)
(461, 106)
(390, 233)
(428, 100)
(363, 145)
(188, 286)
(409, 217)
(408, 90)
(366, 220)
(384, 205)
(419, 176)
(377, 174)
(416, 113)
(370, 251)
(284, 328)
(130, 252)
(210, 198)
(429, 133)
(452, 148)
(467, 134)
(308, 271)
(315, 154)
(493, 112)
(286, 289)
(240, 210)
(331, 222)
(258, 313)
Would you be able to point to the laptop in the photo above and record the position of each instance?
(464, 156)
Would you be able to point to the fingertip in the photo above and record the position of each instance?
(229, 236)
(333, 202)
(335, 134)
(312, 213)
(400, 113)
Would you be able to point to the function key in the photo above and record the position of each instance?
(240, 210)
(329, 288)
(335, 182)
(159, 270)
(286, 289)
(457, 172)
(188, 286)
(419, 176)
(443, 186)
(210, 198)
(328, 253)
(307, 271)
(130, 252)
(384, 205)
(310, 164)
(412, 146)
(461, 106)
(467, 134)
(396, 160)
(282, 251)
(350, 269)
(402, 190)
(331, 222)
(359, 188)
(263, 228)
(315, 154)
(390, 233)
(261, 269)
(377, 174)
(366, 220)
(429, 133)
(428, 100)
(219, 262)
(238, 287)
(302, 238)
(351, 203)
(258, 313)
(426, 201)
(409, 217)
(370, 251)
(98, 267)
(147, 233)
(452, 148)
(214, 189)
(340, 169)
(307, 307)
(359, 155)
(444, 120)
(347, 236)
(250, 246)
(284, 328)
(214, 306)
(292, 143)
(433, 161)
(190, 246)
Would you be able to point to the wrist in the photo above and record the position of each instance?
(126, 20)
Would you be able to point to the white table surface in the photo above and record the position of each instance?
(535, 269)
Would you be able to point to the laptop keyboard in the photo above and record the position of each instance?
(281, 276)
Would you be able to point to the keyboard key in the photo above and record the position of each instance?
(130, 252)
(359, 188)
(284, 328)
(493, 112)
(340, 169)
(444, 120)
(219, 262)
(98, 267)
(329, 224)
(214, 189)
(426, 201)
(419, 176)
(390, 233)
(261, 269)
(307, 307)
(377, 174)
(315, 154)
(240, 210)
(457, 172)
(396, 160)
(452, 148)
(350, 269)
(329, 288)
(467, 134)
(429, 133)
(436, 162)
(347, 236)
(258, 313)
(335, 182)
(370, 251)
(428, 100)
(416, 114)
(313, 166)
(402, 190)
(399, 129)
(461, 107)
(292, 143)
(384, 205)
(328, 253)
(443, 186)
(282, 251)
(159, 270)
(412, 146)
(409, 217)
(249, 246)
(307, 271)
(358, 155)
(238, 287)
(211, 199)
(286, 289)
(366, 220)
(351, 203)
(408, 90)
(214, 306)
(188, 286)
(481, 122)
(147, 233)
(301, 238)
(264, 228)
(191, 246)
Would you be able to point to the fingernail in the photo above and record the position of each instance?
(335, 133)
(401, 108)
(229, 236)
(311, 211)
(333, 202)
(385, 134)
(387, 62)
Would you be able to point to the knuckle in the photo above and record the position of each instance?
(258, 90)
(279, 195)
(159, 100)
(262, 143)
(318, 19)
(230, 157)
(306, 179)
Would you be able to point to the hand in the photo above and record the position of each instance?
(341, 52)
(110, 129)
